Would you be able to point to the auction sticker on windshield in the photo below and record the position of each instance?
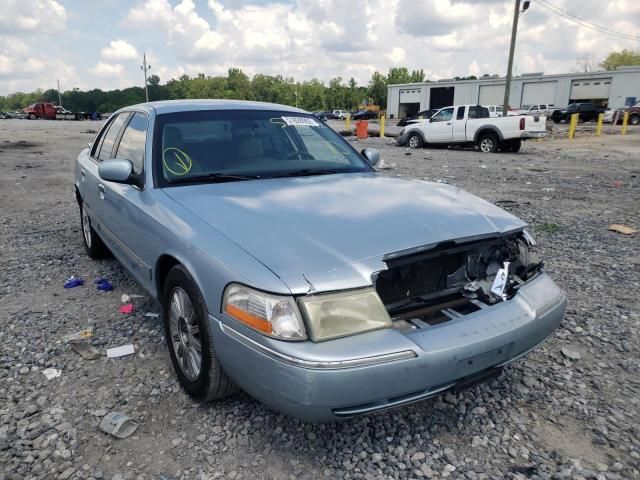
(300, 122)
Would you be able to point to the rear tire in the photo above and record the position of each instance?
(488, 143)
(93, 244)
(190, 338)
(414, 140)
(634, 119)
(32, 116)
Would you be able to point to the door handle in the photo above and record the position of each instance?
(448, 123)
(101, 190)
(83, 174)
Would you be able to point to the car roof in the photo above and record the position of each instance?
(173, 106)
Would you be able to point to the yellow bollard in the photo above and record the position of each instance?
(573, 125)
(347, 122)
(381, 126)
(625, 122)
(599, 126)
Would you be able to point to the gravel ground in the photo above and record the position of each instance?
(569, 410)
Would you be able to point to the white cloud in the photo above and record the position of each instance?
(119, 50)
(32, 16)
(103, 69)
(299, 38)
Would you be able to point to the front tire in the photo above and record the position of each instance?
(414, 140)
(93, 244)
(488, 143)
(190, 339)
(32, 116)
(634, 119)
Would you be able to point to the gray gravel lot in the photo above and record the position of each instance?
(569, 410)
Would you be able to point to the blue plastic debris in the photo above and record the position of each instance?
(73, 281)
(104, 285)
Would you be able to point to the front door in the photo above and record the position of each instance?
(440, 128)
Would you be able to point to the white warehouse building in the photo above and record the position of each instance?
(615, 88)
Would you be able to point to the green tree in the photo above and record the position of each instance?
(417, 76)
(378, 89)
(398, 75)
(621, 59)
(153, 80)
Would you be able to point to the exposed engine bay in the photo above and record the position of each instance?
(455, 279)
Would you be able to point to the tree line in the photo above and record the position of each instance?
(310, 95)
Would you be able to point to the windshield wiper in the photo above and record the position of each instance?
(214, 178)
(306, 172)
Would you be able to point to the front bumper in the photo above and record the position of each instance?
(402, 139)
(320, 382)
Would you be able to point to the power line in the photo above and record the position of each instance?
(585, 23)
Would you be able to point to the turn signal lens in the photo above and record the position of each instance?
(273, 315)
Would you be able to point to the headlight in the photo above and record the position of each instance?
(336, 315)
(273, 315)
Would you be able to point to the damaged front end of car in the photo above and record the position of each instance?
(455, 278)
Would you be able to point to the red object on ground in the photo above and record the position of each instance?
(128, 308)
(362, 129)
(41, 110)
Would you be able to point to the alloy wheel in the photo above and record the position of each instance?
(86, 227)
(185, 334)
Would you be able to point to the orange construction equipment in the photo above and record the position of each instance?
(362, 129)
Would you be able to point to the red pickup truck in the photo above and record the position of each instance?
(41, 110)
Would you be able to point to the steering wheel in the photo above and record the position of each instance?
(301, 155)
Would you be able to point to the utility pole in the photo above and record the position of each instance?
(59, 95)
(145, 68)
(512, 47)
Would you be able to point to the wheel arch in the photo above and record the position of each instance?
(488, 129)
(163, 265)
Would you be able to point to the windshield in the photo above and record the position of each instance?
(526, 107)
(231, 145)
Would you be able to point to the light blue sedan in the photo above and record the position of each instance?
(286, 266)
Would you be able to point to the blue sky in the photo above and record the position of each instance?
(100, 44)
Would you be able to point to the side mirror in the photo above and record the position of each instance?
(117, 170)
(372, 155)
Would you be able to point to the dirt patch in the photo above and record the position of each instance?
(8, 144)
(569, 438)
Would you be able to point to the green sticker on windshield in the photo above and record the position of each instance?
(176, 162)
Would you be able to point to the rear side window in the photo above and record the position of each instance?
(133, 140)
(460, 114)
(110, 136)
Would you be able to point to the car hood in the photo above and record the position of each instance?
(331, 232)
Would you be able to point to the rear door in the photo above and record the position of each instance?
(124, 206)
(90, 185)
(440, 126)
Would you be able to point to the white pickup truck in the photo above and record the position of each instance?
(471, 125)
(536, 109)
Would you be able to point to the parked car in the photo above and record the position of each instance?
(634, 114)
(232, 216)
(365, 115)
(472, 125)
(423, 115)
(610, 113)
(4, 116)
(586, 111)
(323, 115)
(340, 114)
(536, 109)
(494, 110)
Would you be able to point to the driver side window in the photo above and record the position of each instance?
(443, 115)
